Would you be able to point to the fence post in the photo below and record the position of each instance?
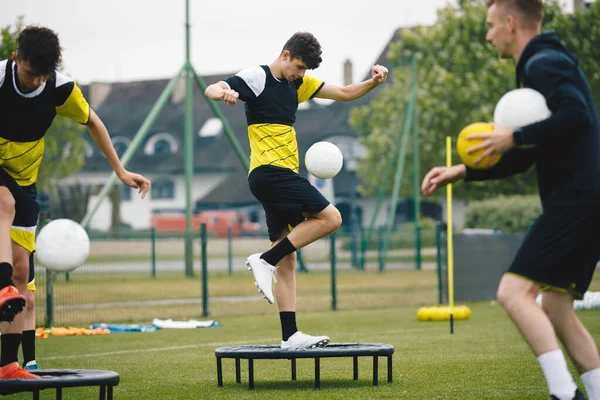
(230, 248)
(153, 244)
(49, 298)
(300, 261)
(333, 271)
(381, 249)
(418, 259)
(204, 270)
(363, 248)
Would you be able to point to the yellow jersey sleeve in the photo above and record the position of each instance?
(71, 102)
(309, 88)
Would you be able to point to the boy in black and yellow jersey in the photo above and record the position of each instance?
(297, 214)
(559, 255)
(32, 93)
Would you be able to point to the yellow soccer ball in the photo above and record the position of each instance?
(462, 145)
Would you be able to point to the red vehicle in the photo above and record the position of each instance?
(217, 223)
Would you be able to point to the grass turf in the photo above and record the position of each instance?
(484, 359)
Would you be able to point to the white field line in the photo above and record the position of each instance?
(220, 344)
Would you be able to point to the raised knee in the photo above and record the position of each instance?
(334, 220)
(7, 205)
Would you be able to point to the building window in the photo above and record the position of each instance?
(125, 193)
(120, 148)
(161, 143)
(163, 189)
(162, 147)
(120, 144)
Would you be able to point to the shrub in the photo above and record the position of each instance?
(506, 213)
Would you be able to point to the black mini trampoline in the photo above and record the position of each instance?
(258, 352)
(63, 378)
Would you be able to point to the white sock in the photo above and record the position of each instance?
(591, 381)
(560, 381)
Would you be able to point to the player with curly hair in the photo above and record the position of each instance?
(297, 213)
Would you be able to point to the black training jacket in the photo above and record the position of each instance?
(565, 147)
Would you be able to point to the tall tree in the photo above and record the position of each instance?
(460, 79)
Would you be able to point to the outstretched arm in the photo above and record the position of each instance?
(101, 137)
(221, 91)
(354, 91)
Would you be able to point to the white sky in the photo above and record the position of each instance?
(125, 40)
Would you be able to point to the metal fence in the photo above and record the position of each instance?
(141, 276)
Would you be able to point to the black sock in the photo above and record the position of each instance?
(277, 252)
(9, 345)
(6, 271)
(288, 324)
(28, 346)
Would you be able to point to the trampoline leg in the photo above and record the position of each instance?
(109, 393)
(355, 367)
(389, 368)
(317, 373)
(375, 370)
(219, 372)
(238, 378)
(36, 395)
(102, 392)
(250, 374)
(59, 393)
(293, 369)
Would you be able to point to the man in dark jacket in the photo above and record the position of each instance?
(559, 255)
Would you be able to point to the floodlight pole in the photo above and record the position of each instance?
(188, 140)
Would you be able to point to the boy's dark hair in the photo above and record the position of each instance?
(40, 48)
(305, 46)
(531, 10)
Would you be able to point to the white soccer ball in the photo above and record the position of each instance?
(521, 107)
(324, 160)
(62, 245)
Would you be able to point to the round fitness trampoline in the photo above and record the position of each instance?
(63, 378)
(259, 352)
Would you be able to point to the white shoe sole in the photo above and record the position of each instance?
(256, 284)
(321, 343)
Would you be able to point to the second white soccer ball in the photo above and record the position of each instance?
(521, 107)
(324, 160)
(62, 245)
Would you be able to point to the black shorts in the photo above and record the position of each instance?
(561, 249)
(285, 195)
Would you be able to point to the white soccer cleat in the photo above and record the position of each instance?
(263, 275)
(300, 340)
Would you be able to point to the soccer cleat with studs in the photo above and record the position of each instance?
(263, 273)
(11, 303)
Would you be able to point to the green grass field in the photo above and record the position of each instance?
(484, 359)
